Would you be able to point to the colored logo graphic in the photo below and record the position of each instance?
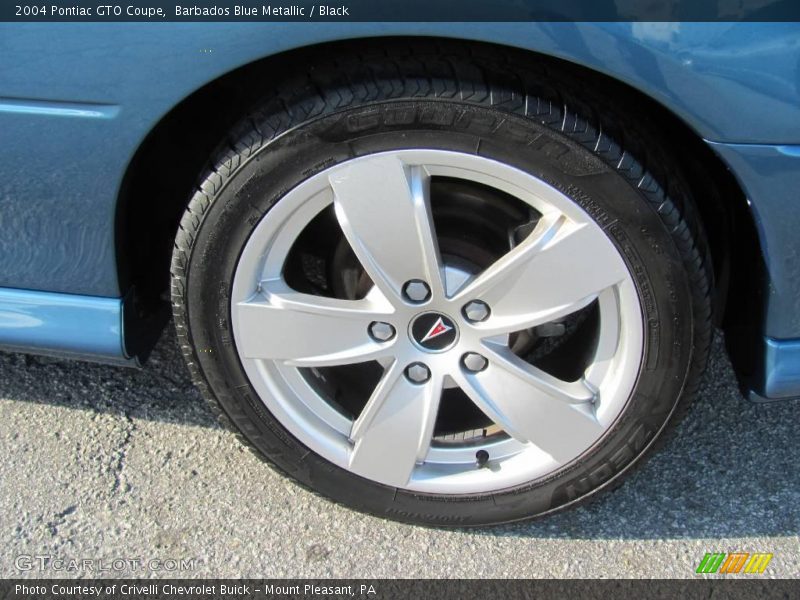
(434, 332)
(735, 562)
(438, 329)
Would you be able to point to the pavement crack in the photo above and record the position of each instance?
(119, 464)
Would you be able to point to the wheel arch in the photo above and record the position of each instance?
(164, 169)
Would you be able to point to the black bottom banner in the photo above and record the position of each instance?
(413, 589)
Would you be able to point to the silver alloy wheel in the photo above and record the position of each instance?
(381, 202)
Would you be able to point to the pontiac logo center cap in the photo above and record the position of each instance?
(434, 332)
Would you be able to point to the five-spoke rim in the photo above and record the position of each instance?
(382, 204)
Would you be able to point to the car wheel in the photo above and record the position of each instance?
(439, 288)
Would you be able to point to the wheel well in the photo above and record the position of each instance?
(166, 167)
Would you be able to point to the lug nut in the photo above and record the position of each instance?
(476, 311)
(381, 331)
(416, 290)
(418, 373)
(474, 362)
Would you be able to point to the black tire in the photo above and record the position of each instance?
(490, 103)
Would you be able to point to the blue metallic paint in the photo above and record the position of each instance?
(782, 371)
(770, 177)
(58, 109)
(62, 324)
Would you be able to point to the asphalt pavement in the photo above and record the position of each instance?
(108, 471)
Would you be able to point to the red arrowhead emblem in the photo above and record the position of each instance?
(438, 329)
